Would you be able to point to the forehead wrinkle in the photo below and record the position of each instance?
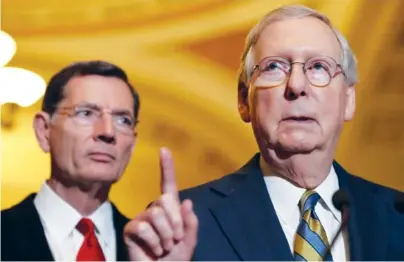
(276, 41)
(114, 110)
(84, 89)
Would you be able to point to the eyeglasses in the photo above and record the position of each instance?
(319, 71)
(87, 115)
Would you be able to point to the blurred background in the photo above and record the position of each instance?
(182, 56)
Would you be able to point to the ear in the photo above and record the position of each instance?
(41, 126)
(243, 106)
(350, 103)
(135, 133)
(135, 129)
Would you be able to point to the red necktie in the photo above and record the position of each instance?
(90, 250)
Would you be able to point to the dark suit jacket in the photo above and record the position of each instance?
(237, 220)
(23, 237)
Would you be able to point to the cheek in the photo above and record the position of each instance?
(69, 145)
(61, 148)
(332, 107)
(268, 105)
(126, 147)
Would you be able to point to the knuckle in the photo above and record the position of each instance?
(139, 216)
(172, 198)
(154, 203)
(176, 221)
(130, 228)
(155, 212)
(168, 235)
(165, 199)
(142, 227)
(196, 222)
(154, 243)
(144, 232)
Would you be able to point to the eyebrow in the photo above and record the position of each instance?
(123, 112)
(118, 111)
(289, 55)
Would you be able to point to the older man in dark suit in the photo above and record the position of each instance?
(297, 88)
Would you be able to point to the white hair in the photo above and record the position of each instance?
(348, 60)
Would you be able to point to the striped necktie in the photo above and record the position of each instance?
(311, 240)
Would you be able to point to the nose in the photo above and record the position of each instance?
(105, 130)
(297, 83)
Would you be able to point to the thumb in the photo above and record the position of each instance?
(190, 225)
(136, 252)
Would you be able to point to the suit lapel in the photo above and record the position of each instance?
(33, 240)
(119, 223)
(368, 219)
(247, 216)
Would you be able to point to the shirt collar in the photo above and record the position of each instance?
(60, 218)
(327, 189)
(103, 221)
(285, 196)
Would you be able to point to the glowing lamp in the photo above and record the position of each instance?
(8, 48)
(20, 86)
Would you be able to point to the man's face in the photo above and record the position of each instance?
(87, 148)
(297, 117)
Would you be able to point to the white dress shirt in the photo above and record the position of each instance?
(285, 197)
(59, 221)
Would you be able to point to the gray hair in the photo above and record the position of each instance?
(348, 60)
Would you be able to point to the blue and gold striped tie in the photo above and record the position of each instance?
(311, 240)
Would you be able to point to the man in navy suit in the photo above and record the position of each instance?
(88, 125)
(296, 88)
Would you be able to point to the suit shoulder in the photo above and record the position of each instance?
(364, 185)
(213, 189)
(120, 219)
(14, 217)
(379, 195)
(18, 210)
(372, 187)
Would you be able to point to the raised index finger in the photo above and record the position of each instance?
(168, 183)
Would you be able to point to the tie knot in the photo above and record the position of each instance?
(308, 201)
(85, 226)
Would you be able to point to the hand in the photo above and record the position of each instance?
(167, 230)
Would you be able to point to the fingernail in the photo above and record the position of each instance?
(158, 251)
(169, 245)
(191, 205)
(179, 234)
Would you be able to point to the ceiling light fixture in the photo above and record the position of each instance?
(17, 85)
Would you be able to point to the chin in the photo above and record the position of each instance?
(297, 143)
(100, 175)
(295, 149)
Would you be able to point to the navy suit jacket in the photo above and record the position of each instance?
(237, 220)
(23, 237)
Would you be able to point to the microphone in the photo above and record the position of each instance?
(399, 203)
(341, 202)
